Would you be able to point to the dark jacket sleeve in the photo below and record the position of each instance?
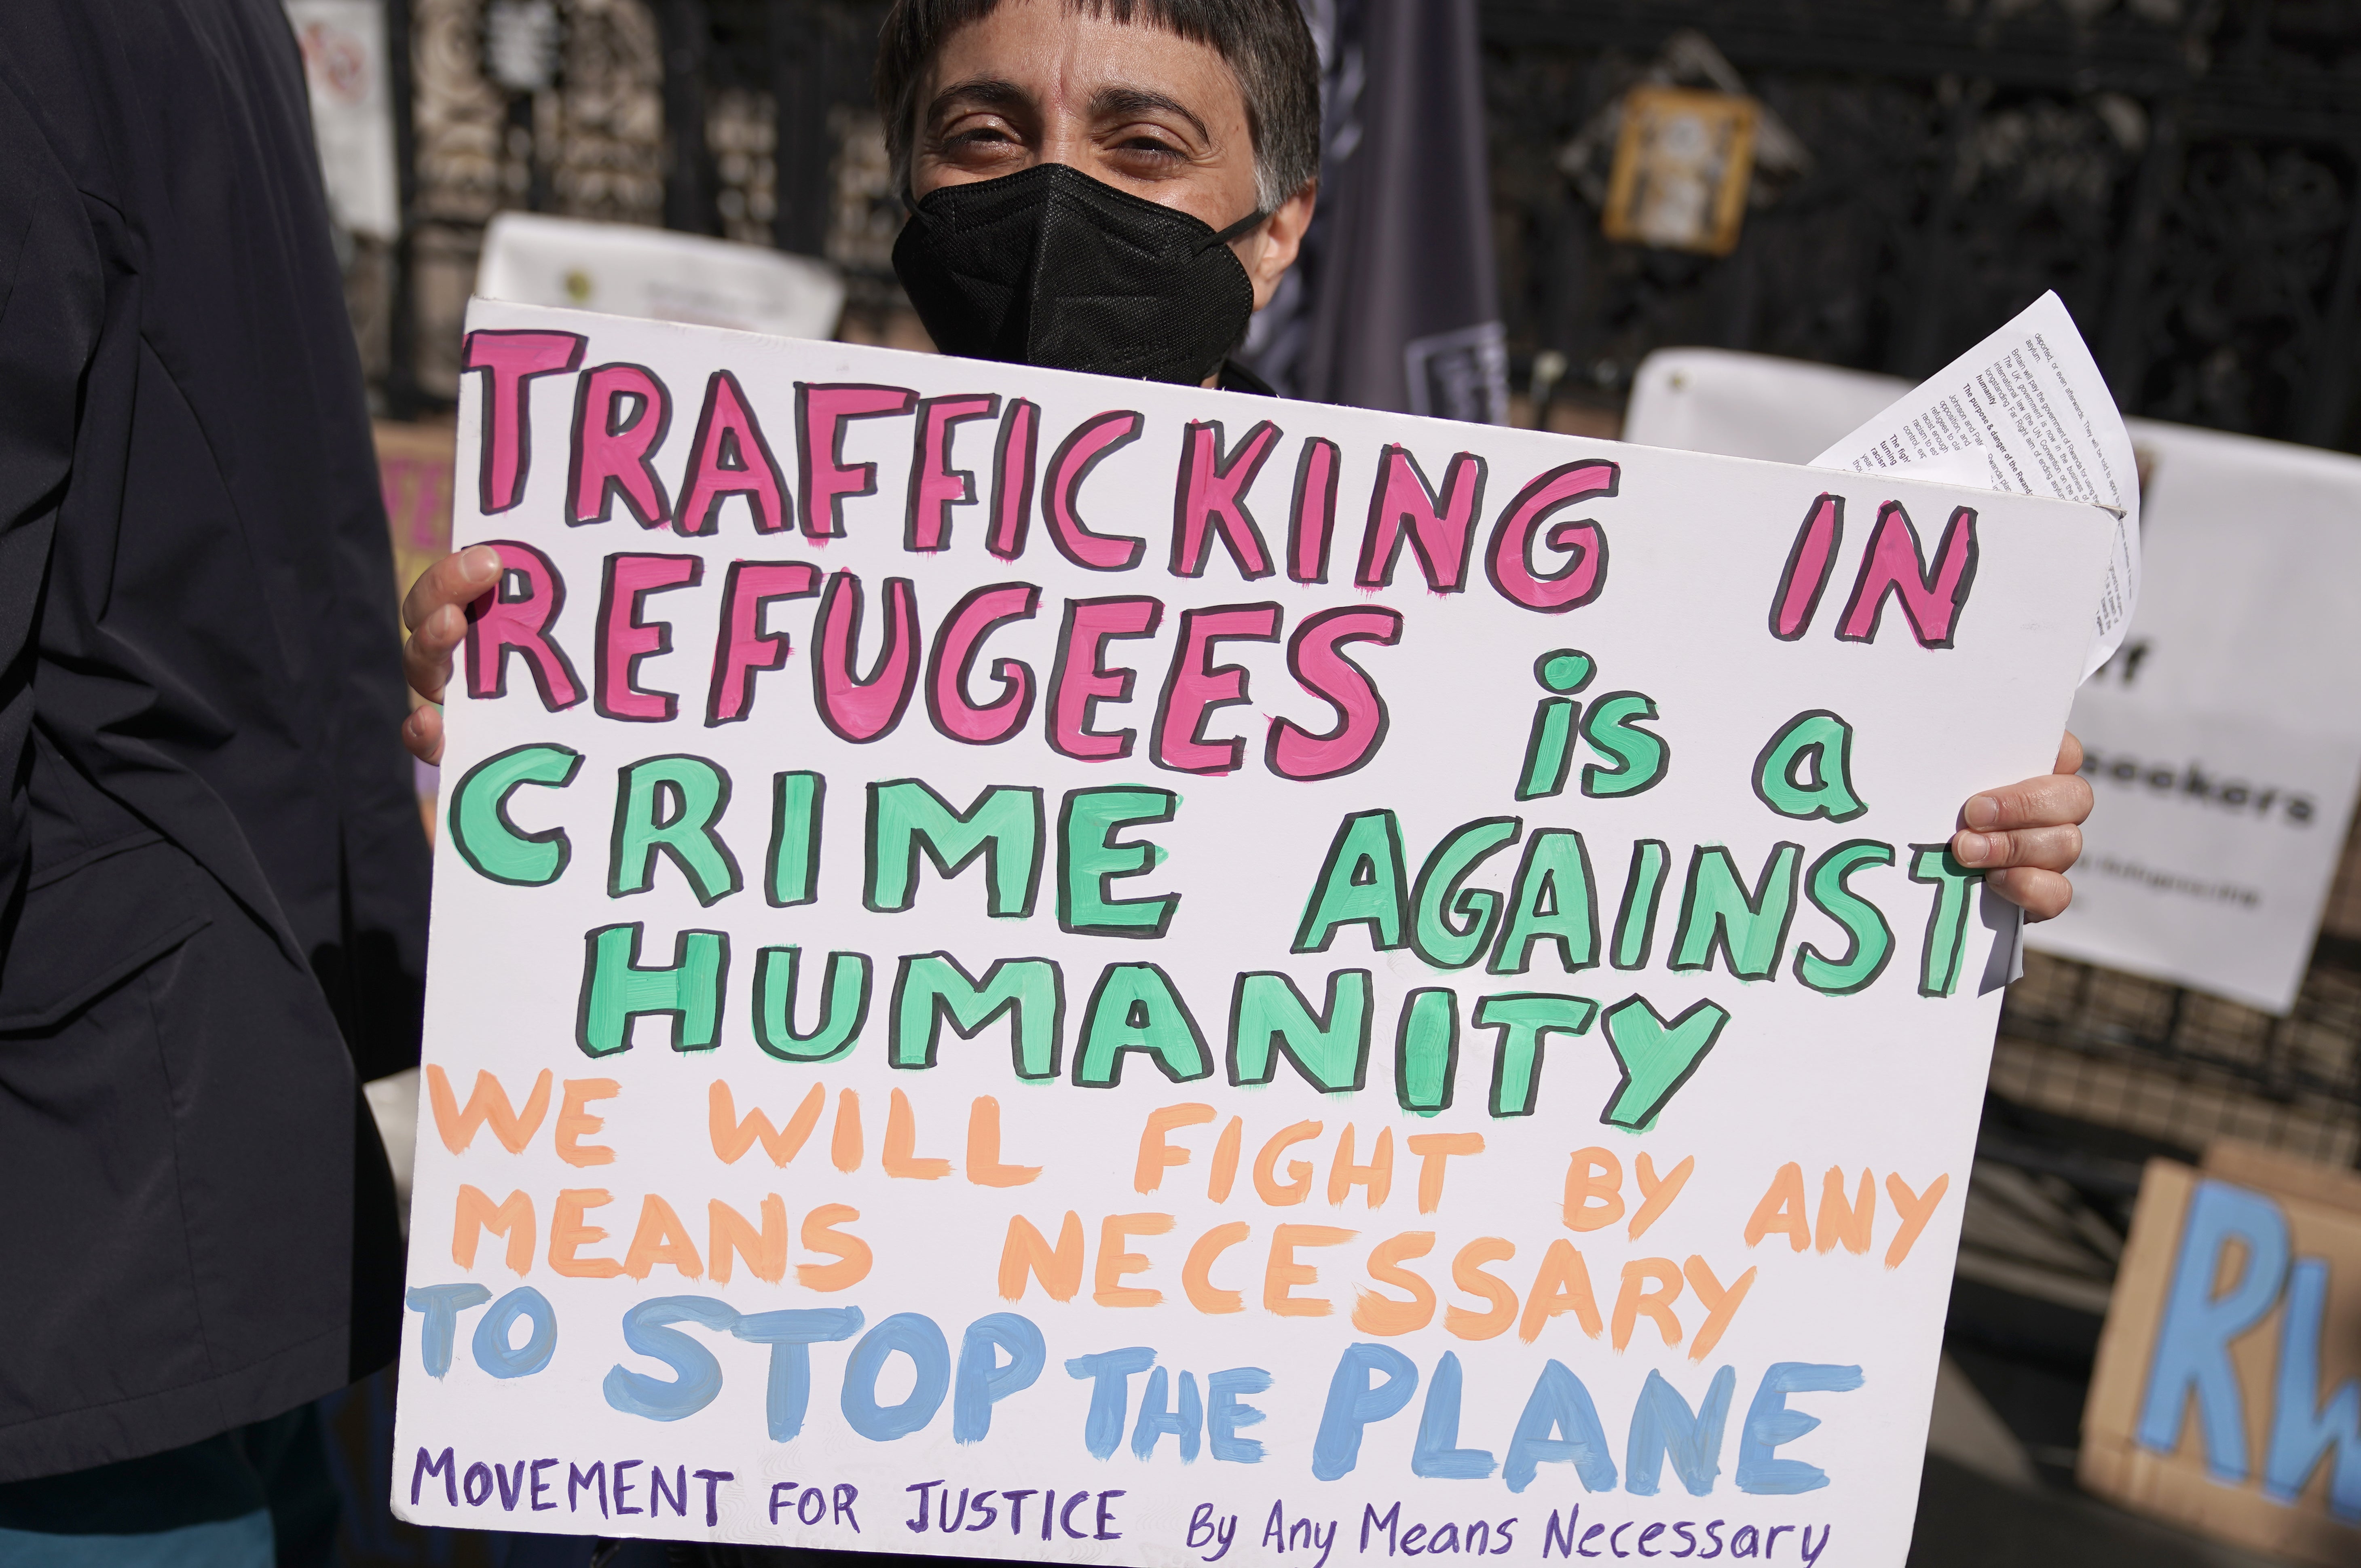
(51, 297)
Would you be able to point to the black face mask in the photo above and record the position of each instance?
(1051, 267)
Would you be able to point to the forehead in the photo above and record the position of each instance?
(1061, 53)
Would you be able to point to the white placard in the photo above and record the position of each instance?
(626, 269)
(1750, 405)
(1248, 981)
(2223, 740)
(352, 110)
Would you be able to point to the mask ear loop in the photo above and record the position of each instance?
(1245, 226)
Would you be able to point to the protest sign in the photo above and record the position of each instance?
(414, 467)
(2227, 1393)
(1039, 967)
(2222, 740)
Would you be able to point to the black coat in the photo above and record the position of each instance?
(214, 872)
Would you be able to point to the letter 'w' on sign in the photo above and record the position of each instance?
(1894, 565)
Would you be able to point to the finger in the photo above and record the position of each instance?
(421, 732)
(426, 656)
(2045, 849)
(2043, 895)
(455, 579)
(2053, 800)
(2069, 755)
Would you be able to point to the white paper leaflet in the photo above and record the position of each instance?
(2032, 398)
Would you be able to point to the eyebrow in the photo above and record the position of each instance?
(992, 92)
(1123, 103)
(1108, 103)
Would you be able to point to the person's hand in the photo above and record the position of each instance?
(435, 612)
(2026, 837)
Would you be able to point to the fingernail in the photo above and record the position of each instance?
(1983, 811)
(482, 562)
(1969, 849)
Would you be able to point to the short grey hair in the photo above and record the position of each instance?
(1267, 43)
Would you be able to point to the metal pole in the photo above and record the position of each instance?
(2123, 349)
(403, 397)
(804, 150)
(689, 180)
(1923, 314)
(2322, 422)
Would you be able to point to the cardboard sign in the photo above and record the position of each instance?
(2223, 740)
(414, 469)
(1040, 967)
(2227, 1395)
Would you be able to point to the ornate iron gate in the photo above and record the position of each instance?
(743, 118)
(2185, 173)
(2182, 173)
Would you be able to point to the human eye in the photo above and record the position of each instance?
(977, 141)
(1146, 150)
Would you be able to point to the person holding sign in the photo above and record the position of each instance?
(1019, 900)
(213, 877)
(1115, 188)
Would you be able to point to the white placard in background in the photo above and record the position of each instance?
(352, 110)
(1750, 405)
(626, 269)
(2224, 739)
(2240, 677)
